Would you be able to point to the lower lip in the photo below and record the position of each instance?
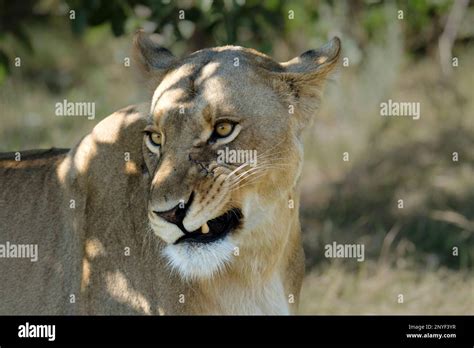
(198, 237)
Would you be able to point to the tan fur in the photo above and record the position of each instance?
(106, 252)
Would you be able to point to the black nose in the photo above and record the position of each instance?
(176, 215)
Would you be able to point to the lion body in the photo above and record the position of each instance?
(101, 258)
(99, 213)
(31, 201)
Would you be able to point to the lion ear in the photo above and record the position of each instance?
(152, 60)
(303, 77)
(316, 62)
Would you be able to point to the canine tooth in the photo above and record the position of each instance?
(205, 228)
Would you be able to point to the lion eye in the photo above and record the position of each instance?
(223, 129)
(155, 138)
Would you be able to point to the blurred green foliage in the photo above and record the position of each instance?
(202, 23)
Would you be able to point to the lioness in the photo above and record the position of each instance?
(141, 217)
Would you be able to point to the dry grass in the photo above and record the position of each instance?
(334, 289)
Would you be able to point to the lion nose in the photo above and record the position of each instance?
(177, 214)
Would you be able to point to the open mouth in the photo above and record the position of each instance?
(215, 229)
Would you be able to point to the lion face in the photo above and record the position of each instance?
(222, 147)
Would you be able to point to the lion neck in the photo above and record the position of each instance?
(256, 282)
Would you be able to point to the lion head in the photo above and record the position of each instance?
(223, 149)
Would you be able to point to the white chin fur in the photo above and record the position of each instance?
(197, 260)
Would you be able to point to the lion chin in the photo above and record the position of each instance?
(199, 261)
(202, 253)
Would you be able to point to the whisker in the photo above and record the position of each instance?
(254, 179)
(249, 174)
(235, 170)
